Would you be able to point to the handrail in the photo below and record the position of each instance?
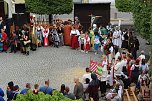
(135, 98)
(127, 94)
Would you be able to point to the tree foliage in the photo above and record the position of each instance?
(49, 6)
(124, 5)
(141, 10)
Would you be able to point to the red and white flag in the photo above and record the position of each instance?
(93, 66)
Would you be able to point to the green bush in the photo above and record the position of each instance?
(56, 96)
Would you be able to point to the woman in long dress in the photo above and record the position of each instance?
(45, 36)
(74, 38)
(4, 38)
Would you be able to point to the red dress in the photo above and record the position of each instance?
(4, 37)
(45, 36)
(87, 43)
(74, 39)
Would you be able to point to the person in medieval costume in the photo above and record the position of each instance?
(13, 42)
(55, 37)
(125, 39)
(45, 33)
(60, 33)
(104, 75)
(91, 34)
(96, 43)
(66, 34)
(4, 38)
(74, 38)
(26, 43)
(81, 41)
(117, 38)
(39, 35)
(109, 27)
(1, 42)
(2, 24)
(86, 42)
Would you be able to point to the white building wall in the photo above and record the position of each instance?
(11, 8)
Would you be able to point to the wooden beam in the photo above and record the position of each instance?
(135, 98)
(127, 94)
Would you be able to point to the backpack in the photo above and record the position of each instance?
(147, 80)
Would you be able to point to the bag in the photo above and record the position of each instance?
(26, 42)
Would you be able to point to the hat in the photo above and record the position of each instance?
(16, 87)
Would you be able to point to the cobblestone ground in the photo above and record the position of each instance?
(59, 65)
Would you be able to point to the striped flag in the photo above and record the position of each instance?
(93, 66)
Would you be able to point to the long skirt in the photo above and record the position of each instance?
(46, 41)
(74, 42)
(5, 46)
(87, 47)
(103, 87)
(124, 44)
(1, 46)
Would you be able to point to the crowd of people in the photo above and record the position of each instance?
(119, 56)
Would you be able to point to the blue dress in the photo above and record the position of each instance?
(1, 43)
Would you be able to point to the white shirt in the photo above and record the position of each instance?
(75, 32)
(96, 41)
(124, 62)
(117, 55)
(118, 68)
(142, 56)
(111, 49)
(87, 75)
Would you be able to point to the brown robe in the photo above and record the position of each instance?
(67, 37)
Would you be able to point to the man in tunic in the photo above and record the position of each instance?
(117, 38)
(66, 34)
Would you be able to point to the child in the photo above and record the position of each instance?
(86, 42)
(96, 43)
(81, 42)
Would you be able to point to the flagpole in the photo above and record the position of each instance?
(90, 62)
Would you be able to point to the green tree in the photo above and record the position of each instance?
(124, 5)
(49, 6)
(141, 10)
